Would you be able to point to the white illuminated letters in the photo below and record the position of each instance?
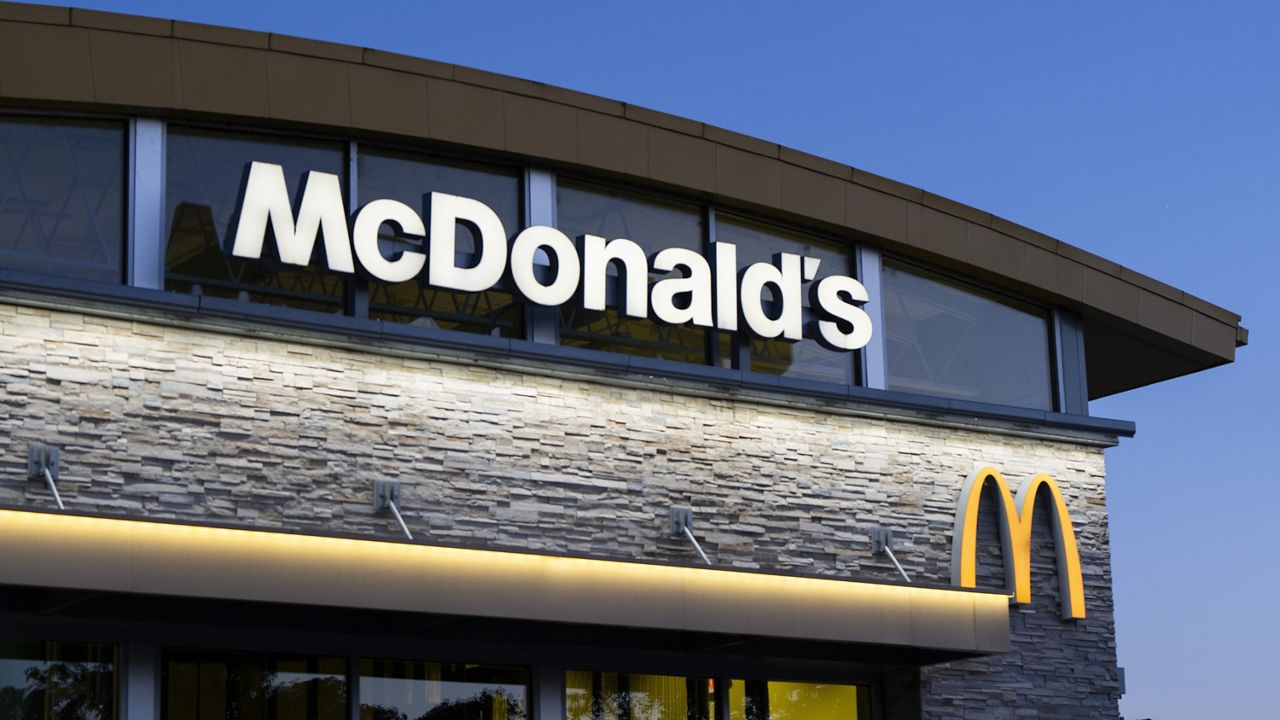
(447, 211)
(766, 298)
(684, 299)
(365, 238)
(564, 267)
(266, 202)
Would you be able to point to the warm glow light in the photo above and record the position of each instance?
(159, 558)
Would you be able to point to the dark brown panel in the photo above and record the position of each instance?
(611, 143)
(749, 176)
(1110, 294)
(812, 194)
(309, 89)
(740, 141)
(316, 48)
(936, 232)
(1164, 316)
(224, 79)
(874, 212)
(996, 252)
(541, 128)
(221, 35)
(46, 62)
(388, 101)
(133, 70)
(405, 63)
(35, 13)
(464, 114)
(122, 23)
(815, 163)
(1055, 274)
(682, 160)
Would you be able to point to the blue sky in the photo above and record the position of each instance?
(1148, 133)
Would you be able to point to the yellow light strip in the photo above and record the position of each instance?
(68, 551)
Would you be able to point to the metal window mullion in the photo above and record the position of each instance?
(542, 324)
(145, 255)
(141, 699)
(739, 344)
(548, 692)
(1069, 363)
(874, 356)
(356, 286)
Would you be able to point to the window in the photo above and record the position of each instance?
(761, 700)
(62, 198)
(204, 173)
(411, 180)
(618, 696)
(947, 340)
(654, 225)
(806, 359)
(51, 680)
(218, 685)
(395, 690)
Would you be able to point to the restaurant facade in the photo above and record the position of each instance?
(344, 384)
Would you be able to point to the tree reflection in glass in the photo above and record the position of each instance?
(62, 681)
(407, 690)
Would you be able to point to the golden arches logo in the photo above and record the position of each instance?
(1015, 515)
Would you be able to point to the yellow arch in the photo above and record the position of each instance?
(1015, 516)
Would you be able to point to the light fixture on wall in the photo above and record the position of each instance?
(386, 496)
(681, 524)
(42, 465)
(882, 544)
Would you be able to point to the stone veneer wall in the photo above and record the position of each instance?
(165, 422)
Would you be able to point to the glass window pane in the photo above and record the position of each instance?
(40, 680)
(62, 198)
(652, 224)
(398, 689)
(411, 179)
(217, 685)
(807, 359)
(617, 696)
(204, 173)
(962, 343)
(810, 701)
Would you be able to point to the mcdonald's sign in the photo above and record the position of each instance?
(1015, 515)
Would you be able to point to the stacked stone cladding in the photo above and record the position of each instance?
(164, 421)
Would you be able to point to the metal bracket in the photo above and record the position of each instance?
(882, 544)
(681, 524)
(42, 464)
(386, 496)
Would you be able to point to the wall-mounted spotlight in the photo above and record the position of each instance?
(386, 496)
(42, 465)
(882, 544)
(681, 524)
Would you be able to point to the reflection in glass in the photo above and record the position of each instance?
(806, 359)
(204, 173)
(616, 696)
(652, 224)
(403, 690)
(211, 684)
(962, 343)
(57, 681)
(62, 198)
(760, 700)
(410, 180)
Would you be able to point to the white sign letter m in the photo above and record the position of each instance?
(266, 200)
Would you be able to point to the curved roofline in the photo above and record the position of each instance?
(71, 59)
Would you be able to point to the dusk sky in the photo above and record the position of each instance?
(1148, 133)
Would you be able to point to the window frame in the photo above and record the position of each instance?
(997, 294)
